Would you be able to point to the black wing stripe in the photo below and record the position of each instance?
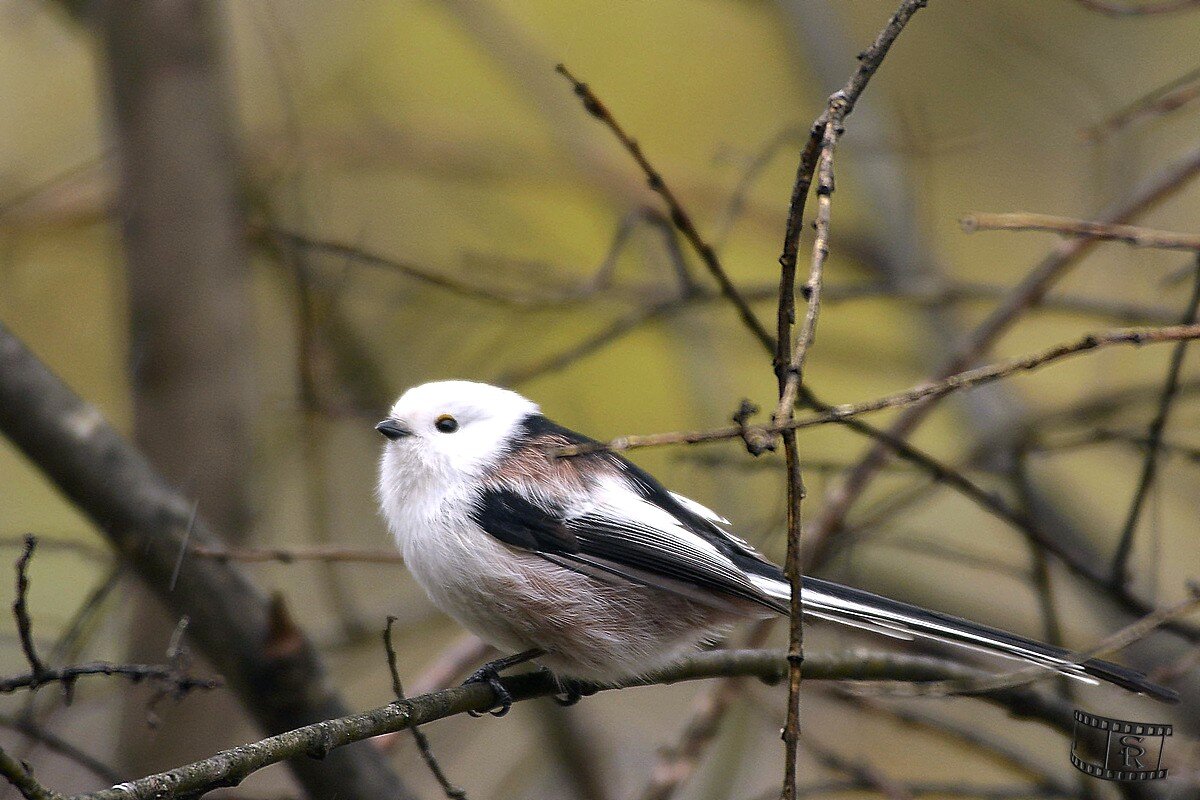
(640, 553)
(515, 520)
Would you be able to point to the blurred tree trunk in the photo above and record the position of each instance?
(190, 314)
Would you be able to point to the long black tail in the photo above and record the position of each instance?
(849, 606)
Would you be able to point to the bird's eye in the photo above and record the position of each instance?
(446, 423)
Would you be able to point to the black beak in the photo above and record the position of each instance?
(392, 429)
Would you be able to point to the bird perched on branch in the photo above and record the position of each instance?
(589, 565)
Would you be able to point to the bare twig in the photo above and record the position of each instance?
(452, 791)
(56, 744)
(989, 746)
(679, 216)
(443, 281)
(1104, 435)
(677, 762)
(1159, 101)
(20, 776)
(20, 609)
(40, 674)
(169, 676)
(862, 772)
(790, 382)
(1153, 442)
(1027, 294)
(1132, 235)
(465, 652)
(789, 358)
(914, 395)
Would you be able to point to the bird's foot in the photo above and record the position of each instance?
(491, 676)
(489, 673)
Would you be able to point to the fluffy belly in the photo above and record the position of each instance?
(590, 629)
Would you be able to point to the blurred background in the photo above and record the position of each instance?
(240, 229)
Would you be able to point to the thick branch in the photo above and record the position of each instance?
(281, 680)
(230, 767)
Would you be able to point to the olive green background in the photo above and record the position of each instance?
(438, 134)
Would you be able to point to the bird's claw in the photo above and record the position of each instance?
(488, 674)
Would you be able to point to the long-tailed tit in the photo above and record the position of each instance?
(590, 565)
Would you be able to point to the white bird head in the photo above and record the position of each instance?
(451, 428)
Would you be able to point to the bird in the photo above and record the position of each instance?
(591, 566)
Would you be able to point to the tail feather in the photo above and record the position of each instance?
(849, 606)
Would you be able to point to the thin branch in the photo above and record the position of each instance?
(456, 660)
(869, 61)
(230, 767)
(39, 674)
(1104, 436)
(791, 375)
(862, 772)
(56, 744)
(679, 216)
(970, 736)
(1157, 102)
(1026, 295)
(451, 284)
(451, 791)
(1154, 436)
(21, 777)
(1132, 235)
(916, 394)
(789, 358)
(676, 763)
(166, 675)
(20, 608)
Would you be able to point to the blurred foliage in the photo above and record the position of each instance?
(439, 135)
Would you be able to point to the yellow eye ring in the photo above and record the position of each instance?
(446, 423)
